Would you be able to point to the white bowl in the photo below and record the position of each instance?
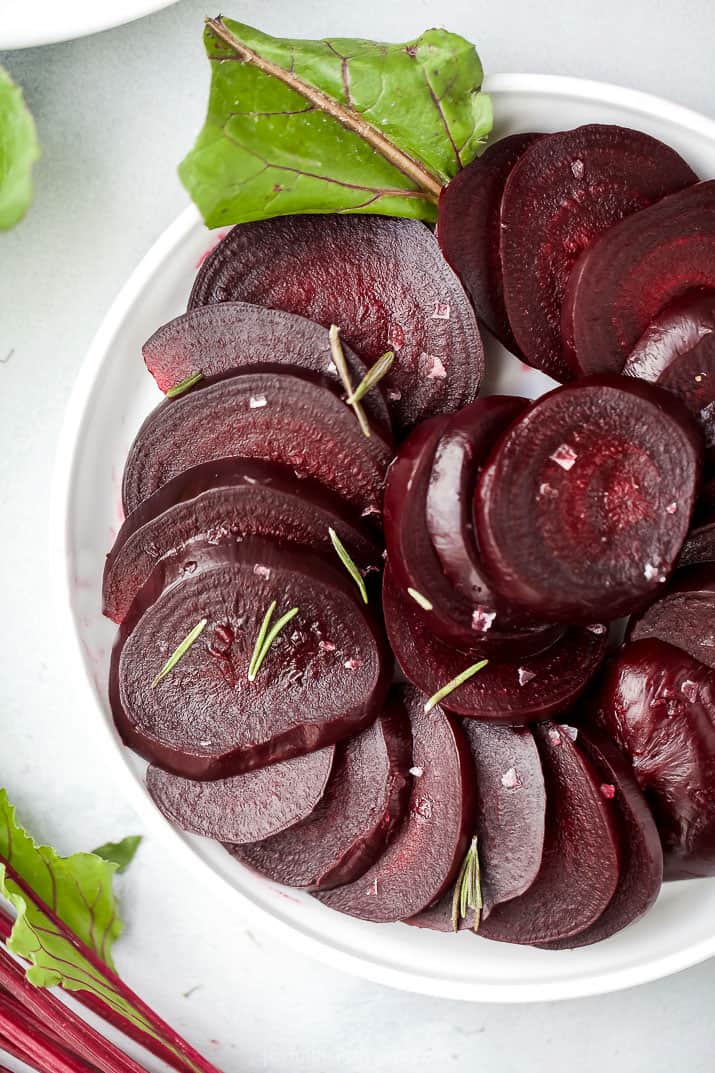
(43, 22)
(112, 396)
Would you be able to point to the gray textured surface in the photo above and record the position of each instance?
(115, 113)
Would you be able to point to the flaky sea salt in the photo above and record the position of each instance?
(435, 368)
(418, 772)
(394, 394)
(525, 675)
(352, 664)
(482, 619)
(510, 780)
(651, 571)
(257, 402)
(326, 646)
(554, 736)
(262, 571)
(571, 732)
(441, 311)
(564, 456)
(671, 508)
(577, 169)
(596, 627)
(689, 689)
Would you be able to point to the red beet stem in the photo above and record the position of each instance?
(36, 1046)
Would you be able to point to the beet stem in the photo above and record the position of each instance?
(38, 1047)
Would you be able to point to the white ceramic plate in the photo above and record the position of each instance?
(24, 24)
(113, 395)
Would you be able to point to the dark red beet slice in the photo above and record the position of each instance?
(245, 807)
(427, 850)
(268, 416)
(230, 499)
(509, 818)
(323, 679)
(658, 705)
(469, 230)
(428, 498)
(641, 855)
(565, 190)
(700, 546)
(219, 339)
(684, 616)
(533, 688)
(585, 503)
(580, 864)
(366, 797)
(383, 282)
(632, 272)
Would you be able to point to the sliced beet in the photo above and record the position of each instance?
(384, 282)
(658, 705)
(509, 818)
(427, 849)
(430, 538)
(218, 339)
(245, 807)
(700, 546)
(513, 693)
(632, 272)
(365, 799)
(324, 678)
(684, 615)
(265, 415)
(580, 864)
(564, 191)
(586, 500)
(641, 855)
(230, 499)
(469, 230)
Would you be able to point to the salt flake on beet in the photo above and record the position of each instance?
(262, 571)
(257, 402)
(441, 311)
(554, 736)
(564, 456)
(577, 169)
(689, 690)
(571, 732)
(482, 619)
(326, 646)
(352, 664)
(435, 368)
(525, 675)
(597, 627)
(418, 772)
(510, 779)
(394, 394)
(396, 337)
(671, 508)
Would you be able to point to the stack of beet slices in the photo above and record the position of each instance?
(365, 621)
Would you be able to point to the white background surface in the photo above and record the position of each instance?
(115, 113)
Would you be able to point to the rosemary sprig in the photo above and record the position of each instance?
(468, 889)
(372, 377)
(180, 651)
(184, 385)
(336, 349)
(454, 684)
(266, 636)
(348, 562)
(423, 602)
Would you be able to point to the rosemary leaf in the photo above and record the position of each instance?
(454, 684)
(468, 889)
(269, 638)
(372, 377)
(180, 651)
(184, 385)
(260, 640)
(349, 563)
(420, 599)
(336, 349)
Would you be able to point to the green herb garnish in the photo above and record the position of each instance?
(468, 889)
(180, 651)
(184, 385)
(454, 684)
(349, 563)
(336, 349)
(266, 636)
(420, 599)
(18, 152)
(372, 377)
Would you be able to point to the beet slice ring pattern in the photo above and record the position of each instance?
(511, 693)
(218, 339)
(580, 864)
(566, 189)
(641, 855)
(349, 829)
(323, 679)
(245, 807)
(262, 415)
(469, 230)
(427, 849)
(384, 282)
(632, 272)
(230, 499)
(585, 503)
(684, 616)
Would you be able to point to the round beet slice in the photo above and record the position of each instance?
(427, 849)
(425, 499)
(365, 799)
(230, 499)
(632, 272)
(700, 546)
(586, 500)
(384, 282)
(469, 230)
(658, 705)
(566, 189)
(268, 416)
(218, 339)
(513, 693)
(580, 864)
(684, 616)
(641, 855)
(245, 807)
(509, 818)
(323, 679)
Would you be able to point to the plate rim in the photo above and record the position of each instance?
(16, 39)
(68, 445)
